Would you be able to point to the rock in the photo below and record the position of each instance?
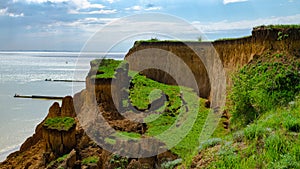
(33, 139)
(166, 156)
(59, 142)
(54, 111)
(207, 104)
(67, 108)
(27, 165)
(147, 163)
(71, 159)
(134, 164)
(128, 125)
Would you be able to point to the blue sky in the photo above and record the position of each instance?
(68, 24)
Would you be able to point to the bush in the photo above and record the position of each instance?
(292, 123)
(118, 161)
(276, 145)
(210, 143)
(90, 160)
(238, 136)
(171, 164)
(255, 132)
(262, 86)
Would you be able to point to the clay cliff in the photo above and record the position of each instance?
(61, 140)
(199, 56)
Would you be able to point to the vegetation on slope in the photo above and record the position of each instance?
(271, 141)
(265, 106)
(60, 123)
(106, 68)
(162, 124)
(176, 115)
(268, 83)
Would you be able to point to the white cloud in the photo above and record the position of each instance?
(102, 11)
(4, 12)
(16, 15)
(111, 1)
(85, 4)
(140, 8)
(79, 4)
(40, 1)
(87, 25)
(153, 8)
(245, 24)
(135, 8)
(232, 1)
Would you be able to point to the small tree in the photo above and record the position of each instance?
(199, 39)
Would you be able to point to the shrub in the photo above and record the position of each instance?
(210, 143)
(276, 145)
(171, 164)
(119, 161)
(286, 161)
(238, 136)
(262, 86)
(90, 160)
(255, 132)
(292, 123)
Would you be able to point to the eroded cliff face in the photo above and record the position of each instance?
(42, 149)
(199, 56)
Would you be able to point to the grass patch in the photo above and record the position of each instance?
(110, 141)
(177, 122)
(90, 160)
(128, 135)
(229, 39)
(144, 91)
(58, 160)
(293, 26)
(171, 164)
(264, 147)
(106, 68)
(60, 123)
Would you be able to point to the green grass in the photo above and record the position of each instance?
(262, 86)
(58, 160)
(295, 26)
(128, 135)
(60, 123)
(266, 117)
(178, 122)
(228, 39)
(154, 40)
(146, 90)
(90, 160)
(268, 143)
(106, 68)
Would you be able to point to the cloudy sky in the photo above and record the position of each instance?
(68, 24)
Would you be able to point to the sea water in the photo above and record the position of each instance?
(24, 73)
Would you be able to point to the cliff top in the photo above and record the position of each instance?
(274, 28)
(106, 68)
(60, 123)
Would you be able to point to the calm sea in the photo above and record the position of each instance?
(24, 73)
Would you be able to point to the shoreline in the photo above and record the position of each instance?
(7, 151)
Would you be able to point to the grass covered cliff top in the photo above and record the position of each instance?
(199, 39)
(59, 123)
(294, 26)
(106, 68)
